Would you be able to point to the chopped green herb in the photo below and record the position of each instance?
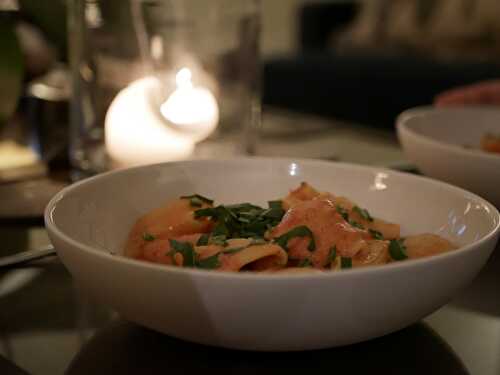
(355, 224)
(203, 240)
(148, 237)
(197, 200)
(343, 212)
(345, 262)
(363, 213)
(243, 207)
(275, 205)
(332, 255)
(376, 234)
(220, 239)
(243, 220)
(205, 212)
(233, 250)
(257, 241)
(209, 263)
(305, 263)
(273, 213)
(187, 251)
(397, 250)
(220, 229)
(300, 231)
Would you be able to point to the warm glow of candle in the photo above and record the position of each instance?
(135, 135)
(191, 108)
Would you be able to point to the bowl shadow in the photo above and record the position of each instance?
(127, 348)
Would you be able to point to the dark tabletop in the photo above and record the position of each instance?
(48, 327)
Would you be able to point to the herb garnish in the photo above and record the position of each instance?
(220, 240)
(257, 241)
(343, 212)
(306, 262)
(397, 250)
(275, 204)
(355, 224)
(148, 237)
(363, 213)
(345, 262)
(197, 200)
(187, 251)
(332, 255)
(209, 263)
(243, 220)
(300, 231)
(191, 258)
(203, 240)
(376, 234)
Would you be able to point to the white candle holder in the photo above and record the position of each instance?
(154, 79)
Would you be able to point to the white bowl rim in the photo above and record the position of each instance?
(52, 226)
(405, 116)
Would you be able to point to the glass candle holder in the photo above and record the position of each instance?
(154, 79)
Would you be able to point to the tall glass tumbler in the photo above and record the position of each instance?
(153, 78)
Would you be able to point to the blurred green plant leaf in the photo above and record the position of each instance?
(11, 69)
(49, 16)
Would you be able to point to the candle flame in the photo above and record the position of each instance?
(183, 79)
(190, 107)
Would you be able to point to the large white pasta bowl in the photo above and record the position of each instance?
(88, 224)
(444, 143)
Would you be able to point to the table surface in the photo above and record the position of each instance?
(48, 327)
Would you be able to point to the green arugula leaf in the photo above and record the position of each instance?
(148, 237)
(376, 234)
(363, 213)
(300, 231)
(397, 250)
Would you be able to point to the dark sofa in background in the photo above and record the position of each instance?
(367, 87)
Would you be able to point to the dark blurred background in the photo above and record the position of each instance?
(359, 61)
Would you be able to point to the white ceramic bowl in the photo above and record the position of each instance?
(434, 139)
(89, 221)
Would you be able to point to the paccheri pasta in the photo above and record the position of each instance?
(307, 231)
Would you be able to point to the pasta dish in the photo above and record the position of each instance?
(490, 143)
(306, 231)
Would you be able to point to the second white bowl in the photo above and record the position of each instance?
(444, 144)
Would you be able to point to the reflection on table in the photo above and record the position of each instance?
(126, 348)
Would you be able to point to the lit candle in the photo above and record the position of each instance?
(136, 135)
(190, 108)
